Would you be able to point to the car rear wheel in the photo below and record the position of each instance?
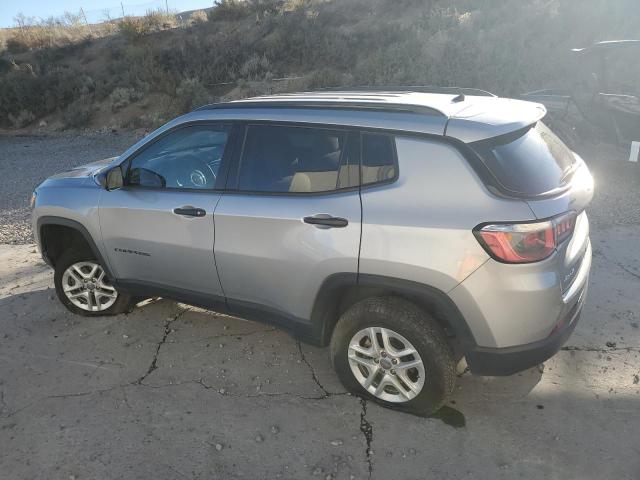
(84, 288)
(389, 350)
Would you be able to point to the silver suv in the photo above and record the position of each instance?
(405, 230)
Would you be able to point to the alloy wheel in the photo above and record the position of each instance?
(86, 287)
(386, 364)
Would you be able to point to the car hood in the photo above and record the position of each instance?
(86, 170)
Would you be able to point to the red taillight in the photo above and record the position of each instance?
(525, 242)
(564, 226)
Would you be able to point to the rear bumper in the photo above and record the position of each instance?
(510, 360)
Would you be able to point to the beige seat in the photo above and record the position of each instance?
(349, 174)
(313, 181)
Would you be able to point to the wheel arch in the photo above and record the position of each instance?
(57, 234)
(342, 290)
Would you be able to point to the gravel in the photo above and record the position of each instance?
(25, 161)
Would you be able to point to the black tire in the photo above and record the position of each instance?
(419, 328)
(121, 305)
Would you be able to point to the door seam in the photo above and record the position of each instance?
(105, 252)
(361, 209)
(213, 250)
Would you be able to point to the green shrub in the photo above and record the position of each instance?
(255, 67)
(328, 77)
(228, 10)
(263, 8)
(78, 114)
(121, 97)
(22, 119)
(132, 28)
(5, 65)
(16, 45)
(190, 94)
(40, 91)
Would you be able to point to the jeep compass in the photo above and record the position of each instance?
(405, 230)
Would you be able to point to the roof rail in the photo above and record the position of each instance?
(410, 88)
(324, 104)
(607, 45)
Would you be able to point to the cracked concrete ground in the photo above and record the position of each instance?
(171, 391)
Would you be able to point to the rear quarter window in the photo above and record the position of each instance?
(378, 158)
(531, 161)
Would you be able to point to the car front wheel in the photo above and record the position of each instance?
(84, 288)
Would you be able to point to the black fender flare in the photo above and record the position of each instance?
(329, 303)
(67, 222)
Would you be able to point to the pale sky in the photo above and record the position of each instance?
(94, 9)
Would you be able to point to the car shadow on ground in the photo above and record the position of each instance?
(161, 342)
(180, 343)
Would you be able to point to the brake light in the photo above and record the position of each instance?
(525, 242)
(564, 226)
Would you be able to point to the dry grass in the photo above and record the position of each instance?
(199, 16)
(70, 29)
(51, 33)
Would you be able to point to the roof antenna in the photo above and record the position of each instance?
(458, 98)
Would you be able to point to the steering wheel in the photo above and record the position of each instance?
(198, 178)
(195, 173)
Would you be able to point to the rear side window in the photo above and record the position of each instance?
(529, 162)
(292, 159)
(378, 158)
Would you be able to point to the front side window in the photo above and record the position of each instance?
(287, 159)
(189, 157)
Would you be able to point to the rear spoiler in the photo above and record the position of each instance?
(488, 117)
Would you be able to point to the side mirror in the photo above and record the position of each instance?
(114, 179)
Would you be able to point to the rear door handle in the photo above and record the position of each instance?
(189, 211)
(323, 220)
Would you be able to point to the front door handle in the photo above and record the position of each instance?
(189, 211)
(323, 220)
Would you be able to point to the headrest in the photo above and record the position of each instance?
(300, 183)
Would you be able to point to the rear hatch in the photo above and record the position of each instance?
(534, 165)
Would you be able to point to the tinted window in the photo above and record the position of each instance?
(622, 75)
(294, 159)
(378, 158)
(531, 162)
(187, 158)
